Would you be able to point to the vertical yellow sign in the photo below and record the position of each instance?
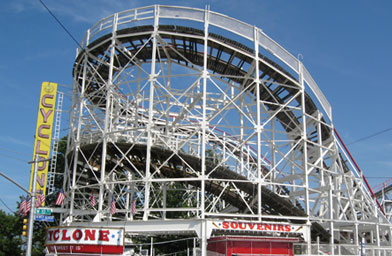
(43, 134)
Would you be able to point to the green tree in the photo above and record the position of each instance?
(10, 234)
(38, 245)
(11, 239)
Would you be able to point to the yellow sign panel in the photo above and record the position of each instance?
(43, 134)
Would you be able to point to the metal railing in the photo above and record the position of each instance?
(218, 20)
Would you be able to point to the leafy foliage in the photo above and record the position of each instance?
(10, 234)
(38, 245)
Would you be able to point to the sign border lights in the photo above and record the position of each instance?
(85, 240)
(43, 134)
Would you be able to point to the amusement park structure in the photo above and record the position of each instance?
(188, 122)
(383, 193)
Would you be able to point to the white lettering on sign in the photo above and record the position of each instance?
(257, 226)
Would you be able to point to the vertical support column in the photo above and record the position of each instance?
(320, 150)
(335, 195)
(112, 178)
(127, 197)
(139, 99)
(292, 171)
(242, 165)
(308, 239)
(168, 105)
(107, 124)
(203, 138)
(258, 126)
(331, 217)
(378, 238)
(152, 80)
(204, 113)
(164, 196)
(390, 235)
(383, 204)
(152, 247)
(305, 150)
(273, 151)
(356, 238)
(77, 139)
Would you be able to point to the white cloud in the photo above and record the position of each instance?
(9, 139)
(47, 54)
(20, 6)
(17, 7)
(386, 163)
(89, 11)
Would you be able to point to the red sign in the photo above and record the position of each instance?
(85, 240)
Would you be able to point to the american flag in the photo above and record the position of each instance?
(22, 206)
(37, 202)
(40, 199)
(133, 206)
(28, 206)
(113, 206)
(92, 200)
(60, 197)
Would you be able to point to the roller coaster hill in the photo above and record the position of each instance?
(190, 123)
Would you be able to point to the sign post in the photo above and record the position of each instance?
(32, 210)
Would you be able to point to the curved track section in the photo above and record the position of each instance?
(184, 114)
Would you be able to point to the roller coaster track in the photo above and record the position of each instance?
(175, 168)
(175, 34)
(134, 131)
(273, 203)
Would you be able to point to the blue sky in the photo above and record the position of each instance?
(346, 46)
